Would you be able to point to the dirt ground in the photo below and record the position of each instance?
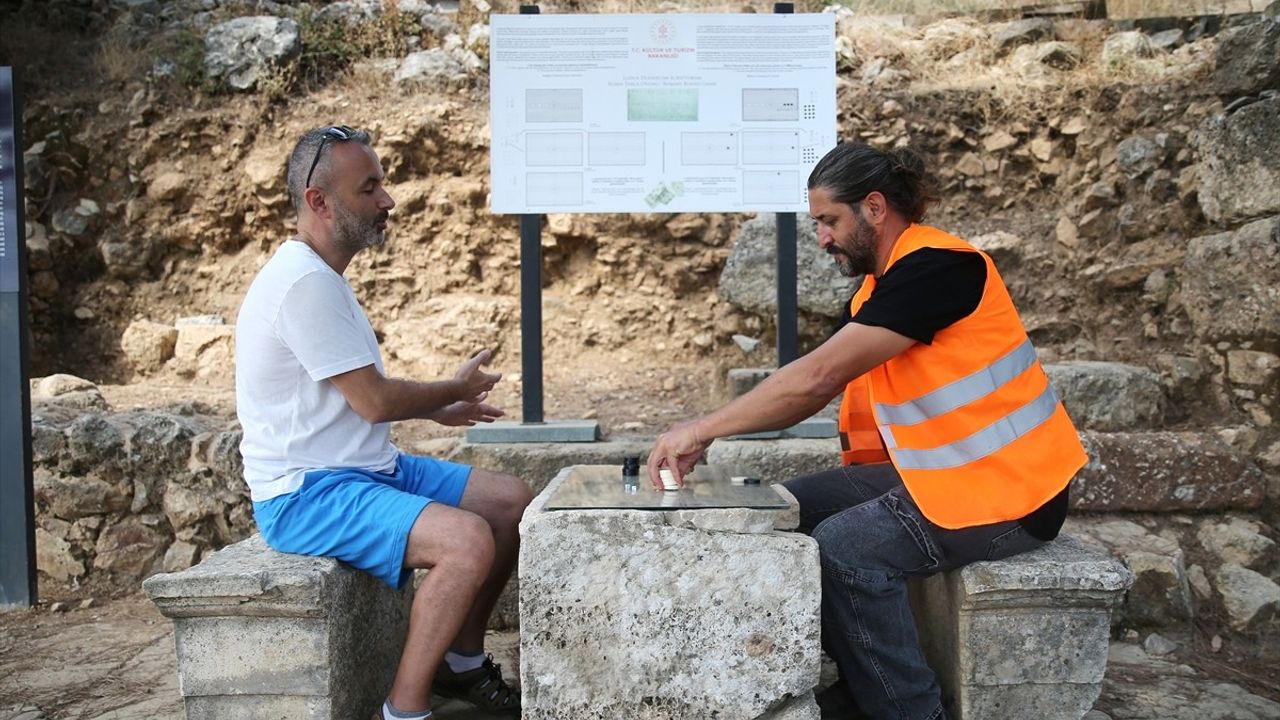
(114, 660)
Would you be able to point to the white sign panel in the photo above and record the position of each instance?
(659, 113)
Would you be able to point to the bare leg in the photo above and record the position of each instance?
(499, 499)
(458, 547)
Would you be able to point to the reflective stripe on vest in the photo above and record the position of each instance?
(961, 392)
(984, 442)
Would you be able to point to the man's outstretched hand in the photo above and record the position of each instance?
(466, 413)
(476, 383)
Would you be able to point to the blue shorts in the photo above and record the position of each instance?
(358, 516)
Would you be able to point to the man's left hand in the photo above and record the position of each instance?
(466, 413)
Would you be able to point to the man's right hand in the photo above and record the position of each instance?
(475, 383)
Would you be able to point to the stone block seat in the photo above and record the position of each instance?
(266, 635)
(1023, 637)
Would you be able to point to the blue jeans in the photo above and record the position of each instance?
(871, 539)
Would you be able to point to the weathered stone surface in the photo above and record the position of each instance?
(1252, 367)
(1109, 396)
(180, 556)
(436, 66)
(54, 558)
(1138, 155)
(1024, 637)
(1240, 150)
(93, 440)
(148, 345)
(61, 384)
(457, 324)
(1237, 541)
(128, 548)
(1250, 598)
(1022, 32)
(1248, 59)
(68, 391)
(350, 12)
(185, 506)
(1141, 687)
(1164, 472)
(243, 50)
(73, 497)
(1161, 593)
(749, 279)
(537, 464)
(1224, 303)
(206, 352)
(1124, 47)
(618, 605)
(311, 637)
(776, 460)
(165, 184)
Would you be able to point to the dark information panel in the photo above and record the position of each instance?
(17, 514)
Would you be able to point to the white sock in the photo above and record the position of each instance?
(460, 662)
(389, 712)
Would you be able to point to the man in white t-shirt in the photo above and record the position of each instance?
(315, 406)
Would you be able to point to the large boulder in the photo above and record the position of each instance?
(1161, 593)
(242, 51)
(1250, 598)
(1239, 168)
(750, 277)
(1237, 541)
(148, 345)
(1248, 59)
(1231, 283)
(205, 349)
(437, 66)
(1109, 396)
(1165, 472)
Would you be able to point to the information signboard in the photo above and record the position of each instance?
(659, 113)
(17, 521)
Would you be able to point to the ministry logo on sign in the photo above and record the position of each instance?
(663, 32)
(665, 36)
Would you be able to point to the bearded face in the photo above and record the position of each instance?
(855, 253)
(355, 232)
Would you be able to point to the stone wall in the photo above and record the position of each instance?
(122, 495)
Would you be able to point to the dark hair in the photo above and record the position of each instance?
(304, 153)
(851, 171)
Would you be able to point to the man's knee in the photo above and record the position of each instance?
(471, 542)
(457, 538)
(513, 497)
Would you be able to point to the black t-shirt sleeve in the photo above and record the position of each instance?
(924, 292)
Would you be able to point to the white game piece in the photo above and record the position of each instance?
(668, 479)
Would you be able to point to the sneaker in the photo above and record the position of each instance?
(482, 687)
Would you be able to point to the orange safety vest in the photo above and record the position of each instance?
(970, 421)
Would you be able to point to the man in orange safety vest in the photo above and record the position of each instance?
(954, 446)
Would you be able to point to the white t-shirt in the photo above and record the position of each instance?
(299, 325)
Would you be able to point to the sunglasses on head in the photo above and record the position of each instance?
(337, 133)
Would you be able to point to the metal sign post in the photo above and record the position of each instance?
(17, 511)
(788, 326)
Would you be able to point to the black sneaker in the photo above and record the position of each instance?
(482, 687)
